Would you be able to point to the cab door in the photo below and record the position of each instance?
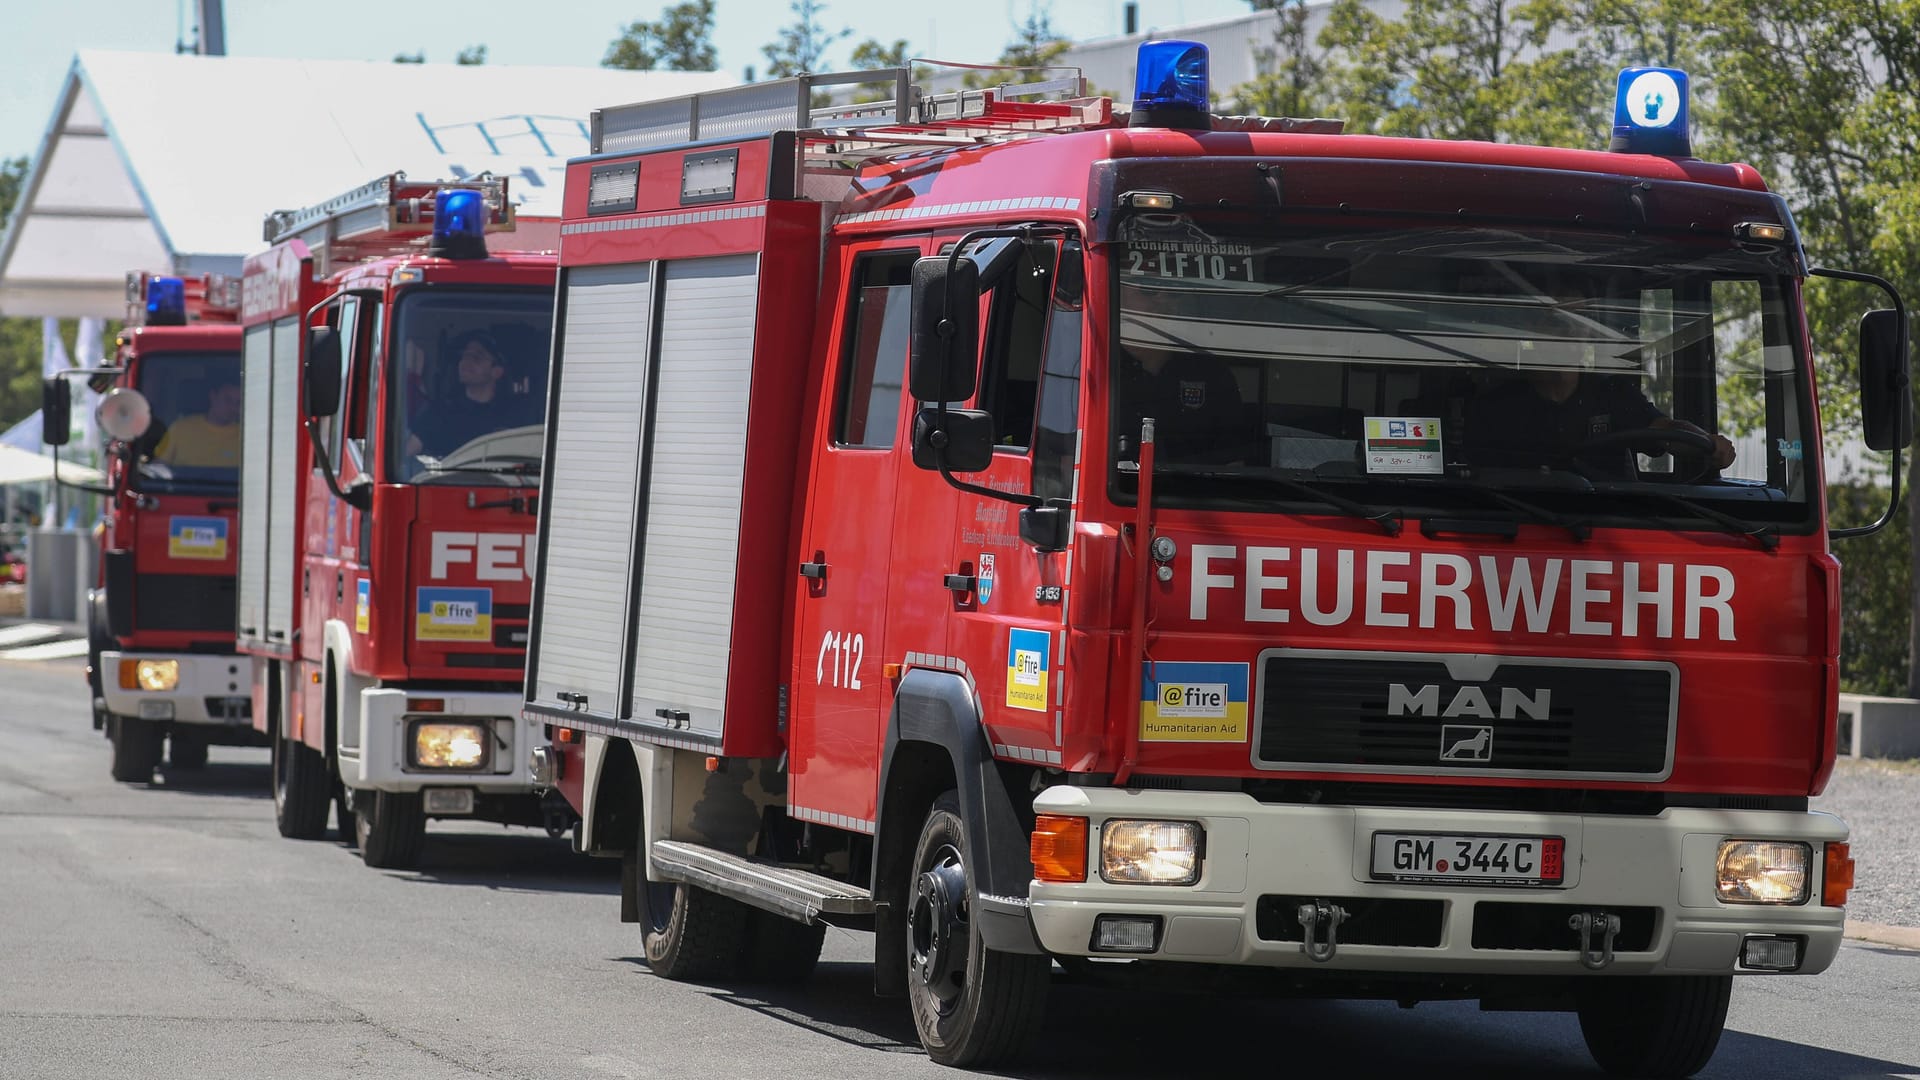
(839, 697)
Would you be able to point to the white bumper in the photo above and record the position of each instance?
(378, 759)
(212, 689)
(1665, 863)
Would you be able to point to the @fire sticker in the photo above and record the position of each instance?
(1187, 702)
(454, 615)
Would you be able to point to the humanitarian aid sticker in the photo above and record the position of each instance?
(1404, 444)
(1182, 702)
(197, 537)
(1028, 656)
(983, 584)
(454, 615)
(362, 605)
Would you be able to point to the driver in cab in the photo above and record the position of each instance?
(477, 405)
(1551, 414)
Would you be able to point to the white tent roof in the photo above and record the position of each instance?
(25, 467)
(170, 163)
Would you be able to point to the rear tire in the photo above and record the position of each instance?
(136, 748)
(390, 827)
(690, 933)
(299, 789)
(971, 1005)
(780, 950)
(1659, 1027)
(186, 750)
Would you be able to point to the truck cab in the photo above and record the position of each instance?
(161, 661)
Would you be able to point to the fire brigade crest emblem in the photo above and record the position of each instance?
(983, 584)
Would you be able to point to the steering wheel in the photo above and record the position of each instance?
(1694, 442)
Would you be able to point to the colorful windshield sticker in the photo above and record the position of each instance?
(197, 537)
(1185, 702)
(362, 605)
(1404, 444)
(1029, 653)
(983, 584)
(454, 615)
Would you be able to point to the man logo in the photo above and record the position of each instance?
(1460, 742)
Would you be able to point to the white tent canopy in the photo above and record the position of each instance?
(170, 163)
(24, 467)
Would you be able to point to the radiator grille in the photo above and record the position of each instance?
(184, 602)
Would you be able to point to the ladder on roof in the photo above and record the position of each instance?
(389, 215)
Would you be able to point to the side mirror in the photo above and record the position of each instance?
(323, 372)
(1045, 527)
(960, 439)
(1886, 403)
(945, 347)
(124, 414)
(56, 411)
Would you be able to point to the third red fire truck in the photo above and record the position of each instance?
(397, 376)
(1395, 568)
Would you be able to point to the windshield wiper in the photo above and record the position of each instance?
(1579, 530)
(1388, 520)
(1765, 535)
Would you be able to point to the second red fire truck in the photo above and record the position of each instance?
(160, 660)
(396, 385)
(1205, 545)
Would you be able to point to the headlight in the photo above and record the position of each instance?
(1762, 872)
(1150, 852)
(449, 746)
(155, 676)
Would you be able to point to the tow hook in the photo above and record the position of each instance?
(1597, 930)
(1321, 920)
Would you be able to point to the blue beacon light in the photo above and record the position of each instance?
(166, 301)
(459, 224)
(1170, 86)
(1650, 113)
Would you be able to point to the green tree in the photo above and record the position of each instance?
(1290, 70)
(471, 56)
(19, 337)
(682, 40)
(801, 45)
(417, 56)
(1034, 48)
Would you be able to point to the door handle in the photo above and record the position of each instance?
(960, 583)
(815, 570)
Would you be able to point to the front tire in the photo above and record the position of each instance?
(136, 748)
(972, 1006)
(299, 789)
(1659, 1027)
(391, 828)
(186, 750)
(687, 932)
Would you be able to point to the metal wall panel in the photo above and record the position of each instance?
(282, 510)
(590, 505)
(255, 470)
(693, 487)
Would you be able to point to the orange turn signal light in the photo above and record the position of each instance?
(129, 680)
(565, 734)
(1838, 880)
(426, 704)
(1059, 848)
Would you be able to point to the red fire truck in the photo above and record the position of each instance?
(383, 587)
(160, 656)
(1375, 567)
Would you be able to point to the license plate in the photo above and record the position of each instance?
(1448, 858)
(449, 800)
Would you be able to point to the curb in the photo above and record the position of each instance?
(1900, 937)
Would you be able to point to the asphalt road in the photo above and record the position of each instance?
(168, 931)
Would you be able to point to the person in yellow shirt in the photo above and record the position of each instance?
(209, 440)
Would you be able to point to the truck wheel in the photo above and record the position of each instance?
(344, 821)
(186, 750)
(1663, 1027)
(136, 748)
(780, 950)
(971, 1005)
(299, 789)
(390, 827)
(690, 933)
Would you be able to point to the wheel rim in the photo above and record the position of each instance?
(937, 927)
(660, 898)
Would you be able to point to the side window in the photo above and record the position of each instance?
(1014, 342)
(343, 317)
(874, 368)
(362, 392)
(1058, 428)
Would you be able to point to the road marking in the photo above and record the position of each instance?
(52, 650)
(26, 634)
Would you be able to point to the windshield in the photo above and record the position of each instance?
(470, 389)
(193, 445)
(1604, 376)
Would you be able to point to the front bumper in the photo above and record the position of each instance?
(212, 689)
(377, 759)
(1661, 865)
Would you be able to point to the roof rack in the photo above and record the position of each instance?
(386, 216)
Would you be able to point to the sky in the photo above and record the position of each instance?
(38, 38)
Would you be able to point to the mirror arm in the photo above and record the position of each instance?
(77, 485)
(357, 496)
(1886, 516)
(1014, 497)
(1885, 286)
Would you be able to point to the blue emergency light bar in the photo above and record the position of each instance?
(1650, 113)
(1170, 86)
(459, 224)
(166, 301)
